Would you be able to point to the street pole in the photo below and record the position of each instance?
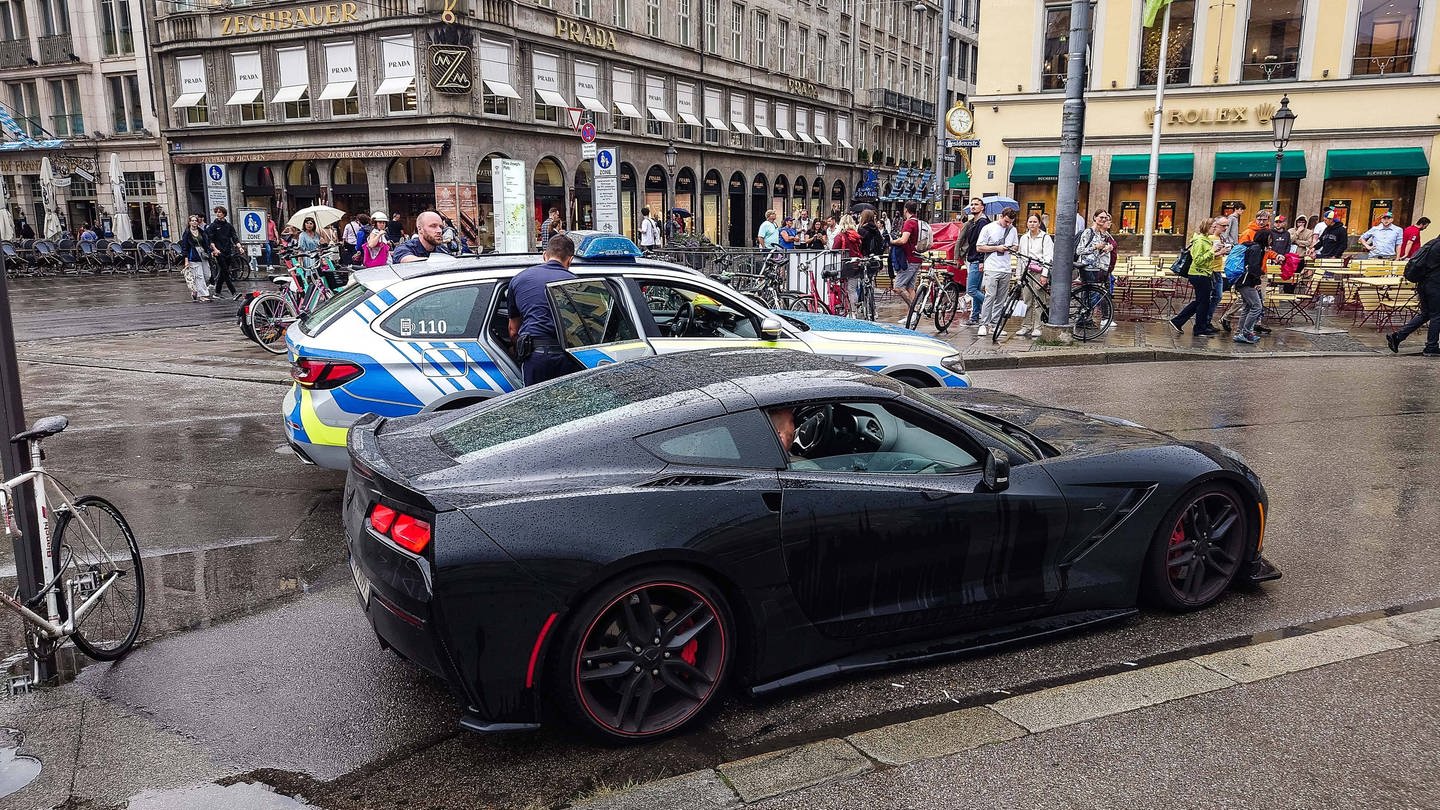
(1154, 178)
(15, 461)
(1072, 137)
(942, 100)
(1275, 187)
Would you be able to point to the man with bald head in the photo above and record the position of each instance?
(429, 232)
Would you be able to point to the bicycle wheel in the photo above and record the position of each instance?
(240, 269)
(1090, 312)
(917, 306)
(269, 316)
(93, 541)
(948, 306)
(865, 307)
(840, 302)
(1006, 310)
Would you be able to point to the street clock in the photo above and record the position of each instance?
(959, 121)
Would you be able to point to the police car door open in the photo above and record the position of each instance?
(595, 325)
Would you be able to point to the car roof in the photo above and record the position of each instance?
(503, 264)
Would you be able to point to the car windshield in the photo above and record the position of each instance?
(1005, 432)
(570, 403)
(312, 323)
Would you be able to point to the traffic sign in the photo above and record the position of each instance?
(606, 190)
(215, 174)
(587, 132)
(253, 222)
(960, 143)
(605, 162)
(573, 114)
(588, 150)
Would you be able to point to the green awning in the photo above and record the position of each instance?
(1137, 167)
(1258, 165)
(958, 181)
(1044, 169)
(1402, 162)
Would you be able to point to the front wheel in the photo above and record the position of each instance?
(951, 300)
(918, 304)
(644, 655)
(94, 546)
(1090, 312)
(268, 318)
(1006, 310)
(1198, 550)
(796, 302)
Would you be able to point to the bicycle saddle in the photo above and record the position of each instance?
(830, 275)
(47, 426)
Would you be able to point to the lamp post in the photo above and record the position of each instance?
(1284, 123)
(942, 98)
(670, 157)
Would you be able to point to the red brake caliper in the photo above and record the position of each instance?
(1176, 538)
(687, 653)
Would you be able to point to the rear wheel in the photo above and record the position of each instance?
(644, 655)
(796, 302)
(918, 305)
(1090, 312)
(268, 318)
(948, 306)
(94, 546)
(1006, 309)
(1198, 549)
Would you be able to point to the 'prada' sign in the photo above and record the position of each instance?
(583, 33)
(286, 19)
(800, 87)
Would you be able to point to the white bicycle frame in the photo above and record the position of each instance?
(51, 626)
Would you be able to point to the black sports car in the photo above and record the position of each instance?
(616, 545)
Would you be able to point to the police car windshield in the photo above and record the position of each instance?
(314, 322)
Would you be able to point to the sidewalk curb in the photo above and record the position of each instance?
(834, 759)
(1050, 359)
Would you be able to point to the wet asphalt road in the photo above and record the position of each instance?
(297, 690)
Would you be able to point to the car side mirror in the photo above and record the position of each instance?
(770, 329)
(997, 471)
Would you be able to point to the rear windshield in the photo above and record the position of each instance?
(313, 323)
(572, 403)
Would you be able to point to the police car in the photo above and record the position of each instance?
(434, 335)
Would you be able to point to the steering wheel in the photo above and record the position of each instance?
(870, 431)
(683, 321)
(812, 425)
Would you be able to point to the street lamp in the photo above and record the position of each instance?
(670, 155)
(1284, 123)
(820, 169)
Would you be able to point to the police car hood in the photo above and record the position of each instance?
(836, 328)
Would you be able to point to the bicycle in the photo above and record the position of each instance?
(269, 314)
(936, 295)
(93, 591)
(835, 301)
(869, 268)
(1091, 308)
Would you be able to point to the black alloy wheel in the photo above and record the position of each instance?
(1198, 550)
(646, 654)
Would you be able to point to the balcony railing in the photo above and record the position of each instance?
(1382, 65)
(56, 49)
(892, 101)
(15, 53)
(1270, 69)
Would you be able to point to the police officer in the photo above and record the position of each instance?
(533, 331)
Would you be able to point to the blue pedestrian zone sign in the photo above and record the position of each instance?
(252, 225)
(605, 158)
(216, 173)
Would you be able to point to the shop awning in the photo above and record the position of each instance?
(1258, 166)
(844, 144)
(628, 110)
(187, 100)
(286, 95)
(805, 136)
(689, 119)
(1044, 169)
(1137, 167)
(247, 96)
(786, 134)
(741, 128)
(659, 114)
(551, 98)
(1400, 162)
(338, 90)
(763, 131)
(958, 181)
(824, 141)
(394, 85)
(500, 88)
(591, 104)
(716, 123)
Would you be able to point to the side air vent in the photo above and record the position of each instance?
(690, 481)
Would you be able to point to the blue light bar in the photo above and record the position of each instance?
(601, 245)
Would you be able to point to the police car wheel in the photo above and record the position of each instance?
(644, 655)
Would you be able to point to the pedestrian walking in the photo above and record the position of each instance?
(1333, 240)
(1207, 252)
(1383, 240)
(995, 243)
(1037, 249)
(907, 239)
(195, 247)
(272, 240)
(1423, 270)
(552, 226)
(973, 273)
(533, 327)
(649, 231)
(223, 244)
(1260, 224)
(1247, 287)
(1410, 242)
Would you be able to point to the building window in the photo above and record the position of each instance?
(25, 107)
(139, 184)
(622, 13)
(782, 46)
(761, 54)
(125, 114)
(712, 26)
(822, 53)
(626, 113)
(844, 67)
(546, 76)
(194, 98)
(294, 93)
(584, 8)
(1057, 47)
(398, 86)
(340, 85)
(652, 17)
(54, 17)
(497, 89)
(67, 117)
(802, 51)
(545, 3)
(737, 31)
(864, 69)
(1177, 60)
(115, 32)
(13, 25)
(682, 20)
(1385, 38)
(1272, 40)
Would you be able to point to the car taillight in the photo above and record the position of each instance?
(312, 373)
(408, 532)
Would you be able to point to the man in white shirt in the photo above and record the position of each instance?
(996, 240)
(1383, 240)
(649, 231)
(768, 237)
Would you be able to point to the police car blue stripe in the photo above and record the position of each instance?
(350, 403)
(371, 304)
(377, 384)
(386, 296)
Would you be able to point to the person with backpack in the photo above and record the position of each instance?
(907, 239)
(1423, 270)
(1247, 286)
(1207, 252)
(996, 240)
(1037, 250)
(1095, 253)
(974, 275)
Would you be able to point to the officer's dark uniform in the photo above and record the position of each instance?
(527, 298)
